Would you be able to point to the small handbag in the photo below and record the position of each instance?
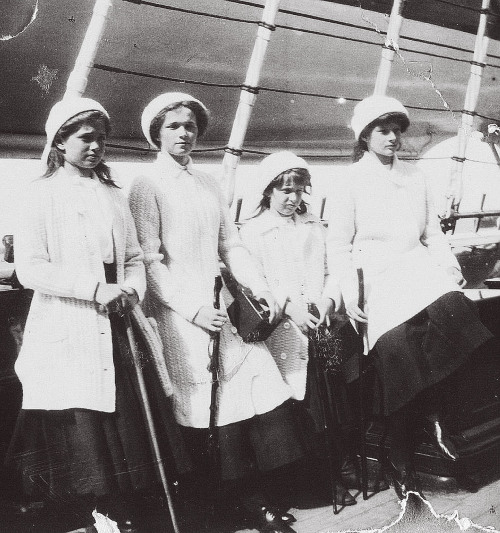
(249, 317)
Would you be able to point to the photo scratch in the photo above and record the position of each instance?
(425, 74)
(45, 77)
(24, 27)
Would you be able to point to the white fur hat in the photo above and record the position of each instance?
(61, 112)
(269, 168)
(159, 103)
(373, 107)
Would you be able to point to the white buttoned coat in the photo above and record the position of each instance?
(66, 359)
(291, 253)
(183, 224)
(383, 221)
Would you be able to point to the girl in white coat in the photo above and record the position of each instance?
(80, 432)
(289, 244)
(420, 325)
(184, 226)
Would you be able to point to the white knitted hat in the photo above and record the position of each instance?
(61, 112)
(158, 104)
(271, 167)
(373, 107)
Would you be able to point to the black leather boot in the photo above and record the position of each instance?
(398, 464)
(403, 480)
(273, 521)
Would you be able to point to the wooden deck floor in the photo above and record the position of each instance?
(378, 513)
(382, 509)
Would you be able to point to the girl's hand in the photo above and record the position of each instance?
(267, 298)
(353, 311)
(302, 318)
(128, 300)
(456, 274)
(210, 319)
(325, 308)
(108, 297)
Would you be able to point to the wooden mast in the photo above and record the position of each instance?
(248, 95)
(77, 80)
(390, 47)
(455, 188)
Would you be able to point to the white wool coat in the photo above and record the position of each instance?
(66, 360)
(183, 224)
(291, 252)
(383, 221)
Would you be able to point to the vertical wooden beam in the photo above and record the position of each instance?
(248, 97)
(390, 47)
(77, 81)
(455, 189)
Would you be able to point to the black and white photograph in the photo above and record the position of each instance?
(249, 266)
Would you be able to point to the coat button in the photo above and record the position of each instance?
(283, 355)
(286, 325)
(234, 330)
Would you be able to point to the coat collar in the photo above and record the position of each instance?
(63, 176)
(171, 167)
(266, 221)
(396, 174)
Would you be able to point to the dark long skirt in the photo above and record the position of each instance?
(261, 443)
(427, 348)
(76, 452)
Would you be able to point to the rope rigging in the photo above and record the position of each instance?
(294, 92)
(118, 70)
(320, 33)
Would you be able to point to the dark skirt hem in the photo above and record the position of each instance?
(77, 452)
(426, 349)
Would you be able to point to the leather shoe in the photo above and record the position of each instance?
(271, 521)
(288, 518)
(440, 437)
(127, 526)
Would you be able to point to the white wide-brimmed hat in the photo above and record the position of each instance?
(158, 104)
(61, 112)
(269, 168)
(372, 108)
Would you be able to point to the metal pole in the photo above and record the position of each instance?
(454, 192)
(248, 95)
(149, 420)
(390, 47)
(77, 81)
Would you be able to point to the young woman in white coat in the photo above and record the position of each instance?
(184, 226)
(80, 432)
(420, 325)
(289, 245)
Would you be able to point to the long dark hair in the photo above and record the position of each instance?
(55, 159)
(199, 112)
(361, 145)
(297, 176)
